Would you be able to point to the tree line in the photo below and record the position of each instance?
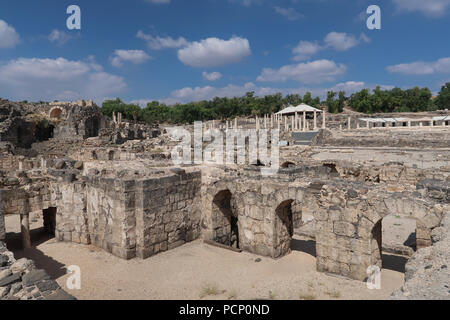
(365, 101)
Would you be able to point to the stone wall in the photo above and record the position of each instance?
(427, 272)
(167, 212)
(2, 219)
(348, 225)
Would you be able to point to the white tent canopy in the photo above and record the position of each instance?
(298, 109)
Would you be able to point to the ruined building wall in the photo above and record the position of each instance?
(167, 213)
(129, 218)
(348, 225)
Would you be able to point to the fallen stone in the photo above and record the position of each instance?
(10, 280)
(34, 277)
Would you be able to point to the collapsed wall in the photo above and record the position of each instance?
(427, 273)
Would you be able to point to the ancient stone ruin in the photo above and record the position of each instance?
(111, 184)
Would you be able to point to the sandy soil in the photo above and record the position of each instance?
(197, 271)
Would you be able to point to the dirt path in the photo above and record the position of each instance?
(197, 270)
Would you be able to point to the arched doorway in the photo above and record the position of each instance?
(49, 216)
(284, 228)
(56, 113)
(225, 220)
(394, 239)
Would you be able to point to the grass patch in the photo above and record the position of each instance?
(307, 296)
(210, 290)
(232, 295)
(333, 294)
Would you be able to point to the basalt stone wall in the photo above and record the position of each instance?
(2, 220)
(266, 209)
(167, 212)
(348, 225)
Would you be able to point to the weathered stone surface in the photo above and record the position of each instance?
(34, 277)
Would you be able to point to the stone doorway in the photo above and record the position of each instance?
(225, 220)
(284, 228)
(49, 216)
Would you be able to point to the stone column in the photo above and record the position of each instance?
(25, 230)
(114, 117)
(409, 123)
(257, 123)
(292, 123)
(235, 123)
(324, 119)
(296, 121)
(367, 124)
(315, 120)
(431, 123)
(285, 124)
(349, 124)
(305, 124)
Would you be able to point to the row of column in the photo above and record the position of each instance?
(296, 122)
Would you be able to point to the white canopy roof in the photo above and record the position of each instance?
(298, 109)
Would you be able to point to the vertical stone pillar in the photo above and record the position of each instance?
(265, 121)
(25, 230)
(278, 123)
(431, 123)
(257, 123)
(296, 121)
(285, 124)
(349, 123)
(305, 124)
(357, 124)
(114, 117)
(324, 119)
(292, 123)
(271, 121)
(315, 120)
(235, 123)
(409, 123)
(367, 124)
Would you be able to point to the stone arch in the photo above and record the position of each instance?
(287, 164)
(348, 226)
(284, 229)
(56, 113)
(224, 220)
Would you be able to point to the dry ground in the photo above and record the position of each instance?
(197, 271)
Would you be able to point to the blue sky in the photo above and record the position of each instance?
(184, 50)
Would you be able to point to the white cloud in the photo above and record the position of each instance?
(431, 8)
(60, 37)
(289, 13)
(158, 43)
(9, 38)
(49, 79)
(305, 49)
(213, 52)
(188, 94)
(421, 67)
(311, 72)
(133, 56)
(213, 76)
(340, 41)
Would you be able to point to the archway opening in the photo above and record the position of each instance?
(49, 216)
(394, 241)
(56, 114)
(225, 220)
(284, 228)
(287, 164)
